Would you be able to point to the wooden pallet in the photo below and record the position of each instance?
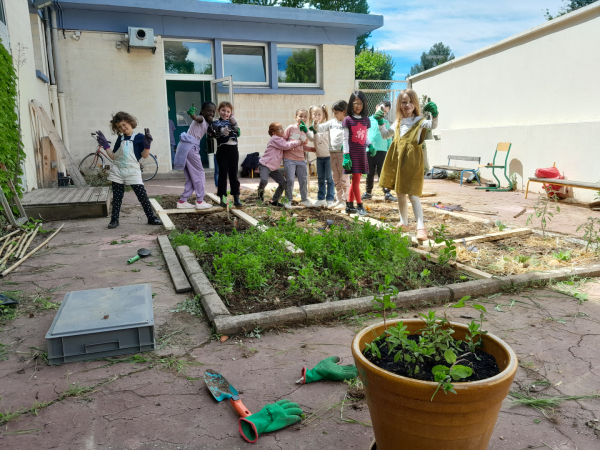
(67, 203)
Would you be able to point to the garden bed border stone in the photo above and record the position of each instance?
(226, 323)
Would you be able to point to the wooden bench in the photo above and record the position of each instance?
(462, 170)
(560, 182)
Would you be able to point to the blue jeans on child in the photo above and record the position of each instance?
(325, 179)
(216, 171)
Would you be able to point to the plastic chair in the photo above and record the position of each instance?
(502, 147)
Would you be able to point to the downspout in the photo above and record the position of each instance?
(59, 81)
(52, 88)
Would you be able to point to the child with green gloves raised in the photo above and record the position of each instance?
(294, 161)
(403, 168)
(381, 145)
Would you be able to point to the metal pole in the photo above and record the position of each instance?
(49, 46)
(56, 52)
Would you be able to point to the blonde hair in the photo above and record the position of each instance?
(414, 98)
(299, 110)
(323, 109)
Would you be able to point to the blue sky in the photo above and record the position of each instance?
(413, 26)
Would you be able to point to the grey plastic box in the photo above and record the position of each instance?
(102, 322)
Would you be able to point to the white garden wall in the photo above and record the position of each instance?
(537, 90)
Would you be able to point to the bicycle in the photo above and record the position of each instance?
(93, 164)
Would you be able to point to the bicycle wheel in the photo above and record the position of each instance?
(92, 165)
(149, 167)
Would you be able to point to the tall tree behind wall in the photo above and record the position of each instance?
(438, 50)
(570, 5)
(353, 6)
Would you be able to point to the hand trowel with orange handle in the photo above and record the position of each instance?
(221, 389)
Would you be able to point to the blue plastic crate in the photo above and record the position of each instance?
(105, 322)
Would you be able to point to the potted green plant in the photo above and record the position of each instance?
(426, 380)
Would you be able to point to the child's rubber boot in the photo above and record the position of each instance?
(114, 223)
(154, 221)
(236, 201)
(367, 196)
(261, 195)
(422, 234)
(360, 209)
(388, 196)
(350, 209)
(277, 204)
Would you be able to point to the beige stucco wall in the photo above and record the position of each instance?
(101, 80)
(535, 90)
(30, 87)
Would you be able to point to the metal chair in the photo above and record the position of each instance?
(502, 147)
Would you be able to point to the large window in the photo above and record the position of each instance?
(188, 59)
(298, 65)
(246, 62)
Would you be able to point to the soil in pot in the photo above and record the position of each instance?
(483, 364)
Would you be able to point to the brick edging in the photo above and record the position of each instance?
(225, 323)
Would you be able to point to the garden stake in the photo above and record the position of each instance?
(22, 243)
(26, 246)
(8, 241)
(8, 235)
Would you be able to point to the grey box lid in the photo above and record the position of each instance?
(83, 312)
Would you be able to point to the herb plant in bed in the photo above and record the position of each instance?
(431, 383)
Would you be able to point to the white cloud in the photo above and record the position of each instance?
(200, 60)
(412, 27)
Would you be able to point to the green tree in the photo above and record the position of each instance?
(353, 6)
(301, 67)
(570, 5)
(11, 150)
(374, 65)
(441, 54)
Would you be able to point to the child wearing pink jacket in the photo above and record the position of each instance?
(270, 161)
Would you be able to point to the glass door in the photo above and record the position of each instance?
(180, 97)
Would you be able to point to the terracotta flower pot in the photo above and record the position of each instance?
(403, 415)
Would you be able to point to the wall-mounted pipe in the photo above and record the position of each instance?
(49, 54)
(59, 81)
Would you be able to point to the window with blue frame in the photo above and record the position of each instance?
(298, 66)
(188, 58)
(246, 62)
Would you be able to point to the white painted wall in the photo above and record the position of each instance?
(537, 90)
(20, 33)
(100, 80)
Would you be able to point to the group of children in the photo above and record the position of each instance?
(350, 143)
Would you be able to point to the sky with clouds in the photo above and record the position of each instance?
(413, 26)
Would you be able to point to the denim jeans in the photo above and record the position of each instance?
(216, 170)
(295, 169)
(325, 179)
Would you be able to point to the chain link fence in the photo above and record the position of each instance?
(378, 91)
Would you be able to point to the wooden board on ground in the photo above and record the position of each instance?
(475, 273)
(191, 211)
(254, 223)
(167, 223)
(488, 237)
(67, 203)
(455, 214)
(180, 281)
(58, 143)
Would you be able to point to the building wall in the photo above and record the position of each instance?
(101, 80)
(535, 90)
(22, 45)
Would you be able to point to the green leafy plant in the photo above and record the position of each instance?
(544, 209)
(591, 233)
(513, 182)
(447, 253)
(385, 303)
(562, 255)
(444, 375)
(500, 225)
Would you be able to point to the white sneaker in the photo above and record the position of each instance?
(308, 203)
(332, 203)
(287, 205)
(320, 203)
(340, 205)
(203, 205)
(185, 205)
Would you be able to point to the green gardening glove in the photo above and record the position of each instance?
(238, 132)
(378, 116)
(273, 417)
(371, 150)
(312, 128)
(347, 164)
(432, 108)
(303, 126)
(192, 111)
(328, 369)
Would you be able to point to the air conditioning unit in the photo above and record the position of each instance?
(141, 38)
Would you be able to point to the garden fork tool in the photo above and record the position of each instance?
(221, 389)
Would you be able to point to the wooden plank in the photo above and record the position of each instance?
(59, 195)
(93, 198)
(489, 237)
(568, 183)
(155, 205)
(58, 143)
(68, 212)
(87, 195)
(46, 158)
(475, 273)
(167, 223)
(53, 164)
(254, 223)
(31, 196)
(180, 281)
(192, 211)
(71, 193)
(77, 198)
(213, 197)
(103, 197)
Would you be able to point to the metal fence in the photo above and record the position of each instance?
(381, 90)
